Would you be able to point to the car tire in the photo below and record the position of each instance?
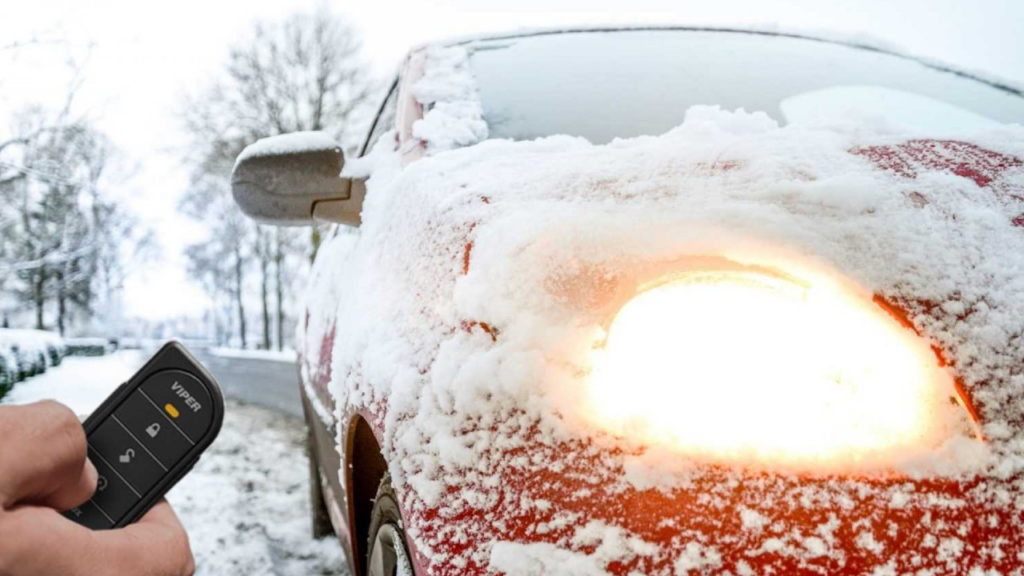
(320, 519)
(387, 553)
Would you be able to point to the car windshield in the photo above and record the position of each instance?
(603, 85)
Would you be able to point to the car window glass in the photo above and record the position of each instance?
(899, 107)
(385, 119)
(603, 85)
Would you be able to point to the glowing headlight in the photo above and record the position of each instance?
(749, 366)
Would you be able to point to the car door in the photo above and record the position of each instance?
(320, 317)
(315, 347)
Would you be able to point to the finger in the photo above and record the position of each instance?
(43, 452)
(47, 543)
(73, 493)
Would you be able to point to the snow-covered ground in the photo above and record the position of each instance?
(246, 503)
(81, 383)
(276, 355)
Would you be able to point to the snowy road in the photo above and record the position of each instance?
(245, 504)
(267, 383)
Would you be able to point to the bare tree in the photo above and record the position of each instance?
(303, 73)
(264, 251)
(223, 257)
(61, 236)
(45, 223)
(284, 242)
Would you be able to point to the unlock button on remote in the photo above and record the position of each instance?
(113, 495)
(129, 460)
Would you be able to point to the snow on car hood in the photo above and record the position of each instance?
(479, 277)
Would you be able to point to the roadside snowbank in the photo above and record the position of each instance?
(36, 337)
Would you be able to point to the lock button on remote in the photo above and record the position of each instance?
(156, 430)
(183, 398)
(115, 447)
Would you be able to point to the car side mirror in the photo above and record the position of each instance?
(294, 180)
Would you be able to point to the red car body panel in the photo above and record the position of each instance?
(574, 478)
(546, 491)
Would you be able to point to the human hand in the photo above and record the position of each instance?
(44, 470)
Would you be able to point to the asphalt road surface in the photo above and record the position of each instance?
(267, 383)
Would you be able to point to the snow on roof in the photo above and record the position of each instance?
(863, 40)
(477, 281)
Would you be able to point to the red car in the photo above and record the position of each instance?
(579, 322)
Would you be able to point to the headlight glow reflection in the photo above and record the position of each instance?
(743, 366)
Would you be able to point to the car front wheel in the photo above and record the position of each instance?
(388, 554)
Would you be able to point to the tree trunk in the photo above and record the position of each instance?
(37, 297)
(223, 331)
(278, 287)
(62, 307)
(238, 295)
(265, 297)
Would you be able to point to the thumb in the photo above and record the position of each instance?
(37, 540)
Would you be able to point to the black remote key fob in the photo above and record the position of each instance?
(147, 435)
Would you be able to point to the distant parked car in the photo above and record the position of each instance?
(55, 353)
(7, 371)
(31, 352)
(9, 360)
(27, 364)
(40, 359)
(88, 346)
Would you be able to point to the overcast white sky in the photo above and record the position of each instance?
(145, 54)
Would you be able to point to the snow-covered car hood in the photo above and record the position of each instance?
(482, 280)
